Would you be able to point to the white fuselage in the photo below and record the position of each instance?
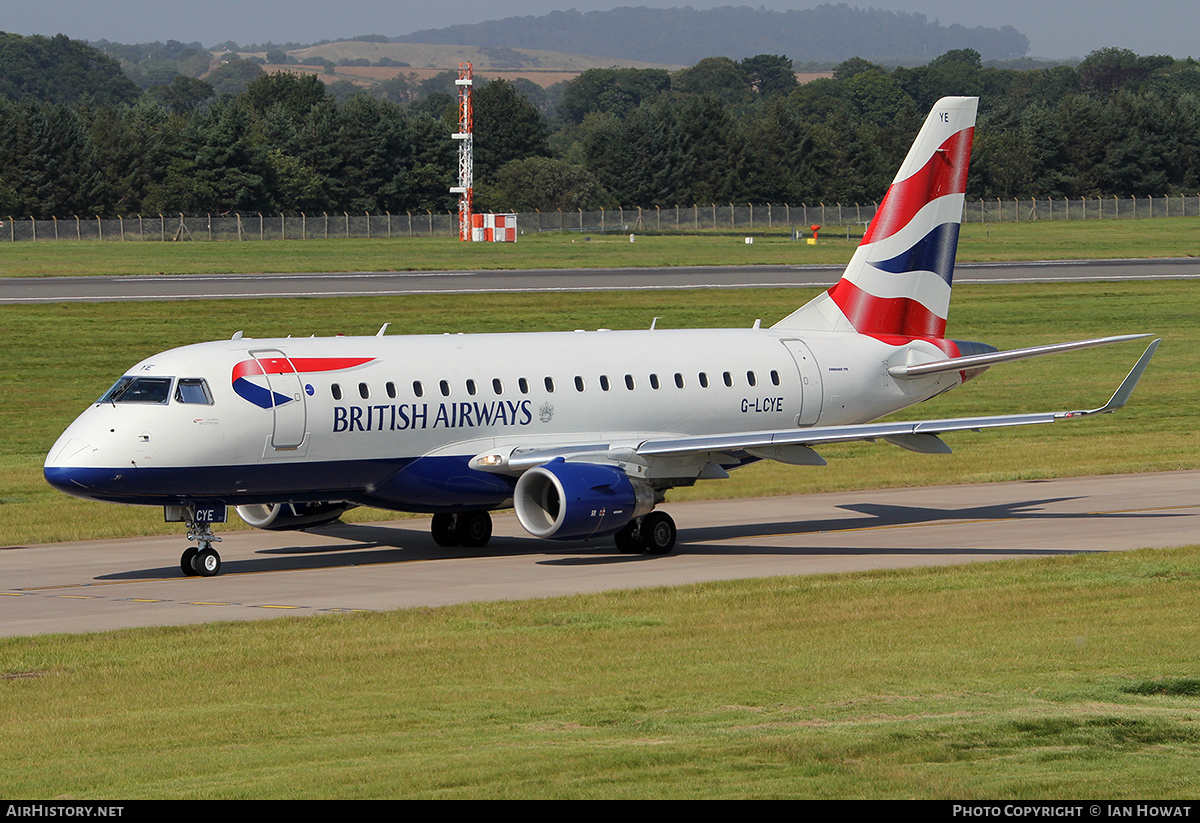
(392, 421)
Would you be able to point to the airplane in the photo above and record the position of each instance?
(581, 432)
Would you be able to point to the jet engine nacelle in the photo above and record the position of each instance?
(282, 517)
(566, 501)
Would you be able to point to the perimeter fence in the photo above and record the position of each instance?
(711, 218)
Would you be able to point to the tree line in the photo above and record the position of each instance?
(721, 131)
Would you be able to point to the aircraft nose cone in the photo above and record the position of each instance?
(63, 478)
(90, 482)
(64, 450)
(69, 466)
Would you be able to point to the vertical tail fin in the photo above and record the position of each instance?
(898, 282)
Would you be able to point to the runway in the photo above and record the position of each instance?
(110, 584)
(16, 290)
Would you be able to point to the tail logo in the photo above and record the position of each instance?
(898, 282)
(903, 285)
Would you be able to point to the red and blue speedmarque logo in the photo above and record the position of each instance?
(262, 396)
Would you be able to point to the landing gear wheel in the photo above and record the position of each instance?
(470, 529)
(657, 533)
(474, 529)
(208, 562)
(443, 531)
(627, 539)
(187, 562)
(201, 559)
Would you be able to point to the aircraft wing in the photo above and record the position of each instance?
(910, 434)
(795, 445)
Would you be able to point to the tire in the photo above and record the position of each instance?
(187, 562)
(627, 539)
(208, 562)
(443, 530)
(657, 533)
(474, 529)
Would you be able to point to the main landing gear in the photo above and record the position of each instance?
(470, 529)
(653, 533)
(202, 559)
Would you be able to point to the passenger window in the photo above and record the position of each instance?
(418, 389)
(678, 380)
(445, 387)
(391, 390)
(704, 380)
(604, 382)
(523, 385)
(728, 379)
(578, 383)
(193, 390)
(774, 377)
(471, 387)
(654, 381)
(550, 384)
(629, 382)
(337, 391)
(751, 378)
(363, 391)
(497, 386)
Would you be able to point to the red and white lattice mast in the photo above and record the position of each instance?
(466, 150)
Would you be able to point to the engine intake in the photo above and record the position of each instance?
(566, 501)
(282, 517)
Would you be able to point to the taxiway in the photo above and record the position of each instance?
(110, 584)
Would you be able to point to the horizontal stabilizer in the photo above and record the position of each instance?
(978, 361)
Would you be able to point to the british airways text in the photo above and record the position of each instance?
(405, 416)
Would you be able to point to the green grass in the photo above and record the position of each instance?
(1070, 677)
(58, 358)
(1053, 240)
(1025, 680)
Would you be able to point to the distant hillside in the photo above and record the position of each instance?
(436, 54)
(60, 70)
(683, 36)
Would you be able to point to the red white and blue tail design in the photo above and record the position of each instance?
(898, 282)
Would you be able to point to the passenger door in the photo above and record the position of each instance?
(287, 393)
(810, 382)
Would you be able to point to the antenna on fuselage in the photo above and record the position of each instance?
(237, 335)
(382, 329)
(654, 322)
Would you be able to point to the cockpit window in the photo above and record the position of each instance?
(193, 390)
(139, 390)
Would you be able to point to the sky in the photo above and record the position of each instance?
(1056, 28)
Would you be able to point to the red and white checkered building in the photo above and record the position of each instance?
(494, 228)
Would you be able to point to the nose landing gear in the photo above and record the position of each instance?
(202, 559)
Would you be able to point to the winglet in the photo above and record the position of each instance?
(1121, 395)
